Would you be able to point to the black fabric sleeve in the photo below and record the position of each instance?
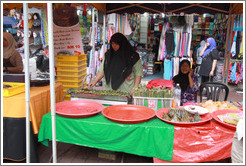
(215, 54)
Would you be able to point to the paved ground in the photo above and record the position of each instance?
(68, 153)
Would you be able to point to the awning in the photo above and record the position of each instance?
(121, 8)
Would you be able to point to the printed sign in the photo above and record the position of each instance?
(152, 103)
(67, 40)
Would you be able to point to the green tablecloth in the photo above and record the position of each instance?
(153, 138)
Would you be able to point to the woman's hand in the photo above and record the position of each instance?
(190, 72)
(211, 74)
(91, 85)
(131, 92)
(128, 78)
(207, 44)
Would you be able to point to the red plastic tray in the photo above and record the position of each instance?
(205, 118)
(222, 112)
(128, 113)
(78, 108)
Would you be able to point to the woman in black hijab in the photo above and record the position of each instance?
(187, 81)
(121, 66)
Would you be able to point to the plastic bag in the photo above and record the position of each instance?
(160, 83)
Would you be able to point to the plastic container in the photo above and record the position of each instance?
(72, 68)
(14, 90)
(72, 73)
(71, 78)
(69, 83)
(70, 57)
(153, 103)
(66, 87)
(71, 63)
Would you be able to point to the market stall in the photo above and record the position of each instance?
(171, 154)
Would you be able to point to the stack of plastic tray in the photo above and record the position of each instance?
(71, 70)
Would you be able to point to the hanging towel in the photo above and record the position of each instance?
(167, 69)
(179, 40)
(161, 42)
(183, 45)
(188, 45)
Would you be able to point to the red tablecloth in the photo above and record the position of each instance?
(208, 142)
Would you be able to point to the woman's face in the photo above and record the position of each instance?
(115, 46)
(185, 68)
(34, 34)
(29, 16)
(5, 42)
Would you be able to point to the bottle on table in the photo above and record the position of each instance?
(177, 96)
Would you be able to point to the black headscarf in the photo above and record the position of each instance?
(181, 78)
(118, 64)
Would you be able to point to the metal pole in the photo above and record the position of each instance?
(27, 80)
(52, 79)
(93, 41)
(227, 58)
(104, 33)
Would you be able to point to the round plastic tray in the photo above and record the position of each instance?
(222, 112)
(205, 118)
(128, 113)
(78, 108)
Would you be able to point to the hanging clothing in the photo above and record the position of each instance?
(127, 27)
(170, 45)
(241, 48)
(167, 69)
(238, 42)
(162, 45)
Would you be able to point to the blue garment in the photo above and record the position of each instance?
(233, 76)
(167, 69)
(212, 46)
(9, 20)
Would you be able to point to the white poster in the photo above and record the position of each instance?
(67, 40)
